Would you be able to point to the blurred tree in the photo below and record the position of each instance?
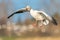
(56, 4)
(19, 21)
(28, 21)
(3, 16)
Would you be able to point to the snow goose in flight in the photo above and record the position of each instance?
(38, 15)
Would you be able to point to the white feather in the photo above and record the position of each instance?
(36, 14)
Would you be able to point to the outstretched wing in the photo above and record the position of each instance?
(19, 11)
(48, 17)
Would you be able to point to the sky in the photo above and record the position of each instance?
(35, 4)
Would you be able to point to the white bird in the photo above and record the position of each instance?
(38, 15)
(41, 16)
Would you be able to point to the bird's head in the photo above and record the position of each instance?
(28, 8)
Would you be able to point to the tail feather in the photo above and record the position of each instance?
(54, 21)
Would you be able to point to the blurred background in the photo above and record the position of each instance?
(24, 25)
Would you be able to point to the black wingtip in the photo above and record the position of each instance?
(10, 15)
(54, 21)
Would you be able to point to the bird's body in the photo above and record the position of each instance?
(36, 15)
(39, 16)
